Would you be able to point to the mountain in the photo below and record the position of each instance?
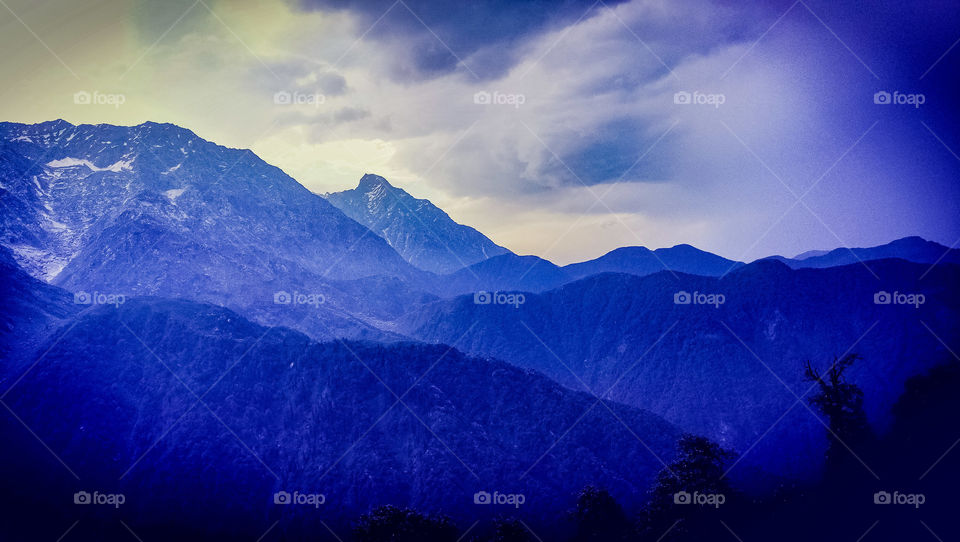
(420, 231)
(181, 407)
(30, 308)
(642, 261)
(155, 210)
(669, 344)
(508, 272)
(810, 254)
(912, 249)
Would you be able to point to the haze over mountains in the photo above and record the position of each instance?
(913, 249)
(355, 341)
(628, 338)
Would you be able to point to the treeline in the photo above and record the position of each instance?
(903, 485)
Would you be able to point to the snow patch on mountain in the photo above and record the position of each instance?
(40, 263)
(174, 193)
(116, 167)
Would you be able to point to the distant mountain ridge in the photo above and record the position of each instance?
(535, 274)
(419, 230)
(913, 249)
(653, 346)
(643, 261)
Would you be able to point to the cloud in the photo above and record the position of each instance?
(580, 102)
(478, 38)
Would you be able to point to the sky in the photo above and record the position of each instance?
(563, 129)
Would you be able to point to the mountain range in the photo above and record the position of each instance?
(417, 229)
(186, 323)
(86, 204)
(723, 356)
(140, 396)
(913, 249)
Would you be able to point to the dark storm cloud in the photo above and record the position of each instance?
(611, 153)
(484, 35)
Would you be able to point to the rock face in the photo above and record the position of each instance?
(191, 406)
(155, 210)
(420, 231)
(628, 336)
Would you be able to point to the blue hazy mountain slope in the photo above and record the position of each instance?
(416, 228)
(643, 261)
(535, 274)
(192, 406)
(685, 362)
(809, 254)
(29, 310)
(912, 249)
(505, 272)
(155, 210)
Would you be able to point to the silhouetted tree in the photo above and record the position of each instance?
(598, 516)
(688, 492)
(842, 403)
(392, 524)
